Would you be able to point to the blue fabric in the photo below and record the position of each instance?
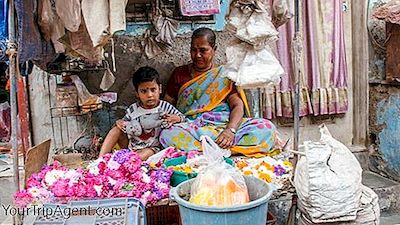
(3, 19)
(31, 45)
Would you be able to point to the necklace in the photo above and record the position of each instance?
(193, 71)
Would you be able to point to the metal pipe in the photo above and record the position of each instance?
(296, 115)
(12, 51)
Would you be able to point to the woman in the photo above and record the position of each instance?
(213, 105)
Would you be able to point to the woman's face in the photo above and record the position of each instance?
(202, 53)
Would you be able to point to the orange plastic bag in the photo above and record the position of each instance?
(219, 184)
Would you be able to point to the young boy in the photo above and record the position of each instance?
(143, 120)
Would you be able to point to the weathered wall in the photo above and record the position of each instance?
(129, 57)
(384, 101)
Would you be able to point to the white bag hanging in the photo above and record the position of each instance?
(251, 68)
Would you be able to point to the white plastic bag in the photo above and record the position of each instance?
(251, 22)
(219, 184)
(86, 100)
(328, 181)
(251, 68)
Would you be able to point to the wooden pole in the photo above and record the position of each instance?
(296, 70)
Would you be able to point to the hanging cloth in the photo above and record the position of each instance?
(117, 15)
(151, 47)
(167, 28)
(199, 7)
(79, 44)
(51, 25)
(70, 13)
(32, 46)
(103, 18)
(95, 13)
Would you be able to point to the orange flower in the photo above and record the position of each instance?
(267, 165)
(241, 164)
(247, 173)
(266, 177)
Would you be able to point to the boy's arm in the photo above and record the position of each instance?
(170, 111)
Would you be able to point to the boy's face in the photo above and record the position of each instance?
(149, 94)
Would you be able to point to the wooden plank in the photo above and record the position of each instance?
(36, 157)
(393, 52)
(360, 72)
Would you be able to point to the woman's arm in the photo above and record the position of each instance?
(227, 137)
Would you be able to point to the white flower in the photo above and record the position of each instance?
(113, 164)
(111, 181)
(98, 189)
(94, 166)
(146, 178)
(73, 176)
(34, 191)
(53, 175)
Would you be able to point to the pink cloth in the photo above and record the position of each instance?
(323, 63)
(199, 7)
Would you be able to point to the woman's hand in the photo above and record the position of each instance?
(169, 119)
(225, 139)
(121, 125)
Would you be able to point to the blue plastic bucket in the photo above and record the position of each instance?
(251, 213)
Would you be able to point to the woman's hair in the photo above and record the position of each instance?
(205, 32)
(145, 74)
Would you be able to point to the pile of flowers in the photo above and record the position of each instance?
(121, 174)
(275, 171)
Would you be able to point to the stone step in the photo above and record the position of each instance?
(390, 219)
(387, 190)
(362, 155)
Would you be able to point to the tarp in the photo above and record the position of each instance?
(3, 19)
(3, 29)
(31, 44)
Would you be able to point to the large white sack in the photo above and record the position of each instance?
(368, 212)
(328, 180)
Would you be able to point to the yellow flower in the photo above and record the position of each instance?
(266, 177)
(247, 173)
(241, 164)
(287, 163)
(267, 166)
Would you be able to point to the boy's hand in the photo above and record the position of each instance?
(121, 125)
(169, 119)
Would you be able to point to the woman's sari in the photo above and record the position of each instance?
(203, 101)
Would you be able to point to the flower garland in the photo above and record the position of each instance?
(121, 174)
(275, 171)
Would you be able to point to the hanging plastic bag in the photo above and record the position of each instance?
(250, 22)
(108, 80)
(5, 122)
(252, 68)
(280, 12)
(219, 184)
(86, 100)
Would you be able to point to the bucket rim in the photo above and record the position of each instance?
(181, 202)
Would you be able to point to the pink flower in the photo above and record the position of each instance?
(60, 187)
(193, 154)
(22, 199)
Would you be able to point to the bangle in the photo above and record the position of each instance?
(233, 130)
